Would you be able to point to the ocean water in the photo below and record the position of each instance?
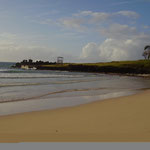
(33, 90)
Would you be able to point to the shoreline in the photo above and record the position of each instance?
(56, 103)
(144, 75)
(122, 119)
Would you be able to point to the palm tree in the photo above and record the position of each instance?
(146, 47)
(146, 52)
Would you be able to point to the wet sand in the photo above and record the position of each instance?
(123, 119)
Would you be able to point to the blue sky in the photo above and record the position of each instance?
(78, 30)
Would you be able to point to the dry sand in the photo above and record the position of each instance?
(118, 119)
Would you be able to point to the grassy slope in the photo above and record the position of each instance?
(138, 66)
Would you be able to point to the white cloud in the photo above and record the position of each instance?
(90, 51)
(99, 17)
(105, 15)
(83, 13)
(84, 19)
(119, 31)
(74, 23)
(130, 14)
(93, 17)
(122, 43)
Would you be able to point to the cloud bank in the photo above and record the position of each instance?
(122, 39)
(85, 19)
(122, 43)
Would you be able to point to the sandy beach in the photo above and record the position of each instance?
(124, 119)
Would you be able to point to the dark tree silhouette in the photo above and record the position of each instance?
(146, 52)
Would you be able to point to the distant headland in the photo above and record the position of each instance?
(119, 67)
(30, 64)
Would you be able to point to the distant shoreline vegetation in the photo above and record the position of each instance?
(30, 63)
(121, 67)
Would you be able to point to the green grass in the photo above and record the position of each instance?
(144, 63)
(56, 65)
